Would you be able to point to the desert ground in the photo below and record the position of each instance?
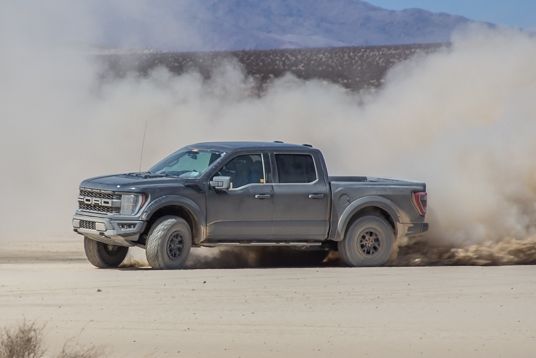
(312, 311)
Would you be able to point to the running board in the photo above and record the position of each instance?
(260, 243)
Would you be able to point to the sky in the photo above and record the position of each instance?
(514, 13)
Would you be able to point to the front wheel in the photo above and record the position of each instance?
(102, 255)
(169, 243)
(368, 242)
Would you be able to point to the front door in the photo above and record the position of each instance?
(244, 212)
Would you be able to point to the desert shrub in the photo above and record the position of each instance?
(75, 351)
(24, 341)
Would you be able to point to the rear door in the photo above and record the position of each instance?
(301, 198)
(245, 211)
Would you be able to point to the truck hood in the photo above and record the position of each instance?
(131, 182)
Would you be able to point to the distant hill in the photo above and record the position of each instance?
(354, 68)
(200, 25)
(320, 23)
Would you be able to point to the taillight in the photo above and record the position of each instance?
(420, 200)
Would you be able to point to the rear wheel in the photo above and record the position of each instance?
(103, 255)
(368, 242)
(169, 243)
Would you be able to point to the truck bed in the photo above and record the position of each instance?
(373, 181)
(388, 194)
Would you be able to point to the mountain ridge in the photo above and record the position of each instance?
(249, 24)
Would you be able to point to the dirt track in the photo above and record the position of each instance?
(300, 312)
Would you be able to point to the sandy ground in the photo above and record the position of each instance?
(268, 312)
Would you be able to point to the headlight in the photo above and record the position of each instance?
(130, 203)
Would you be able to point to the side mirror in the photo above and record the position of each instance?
(221, 183)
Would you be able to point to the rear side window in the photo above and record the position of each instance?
(295, 168)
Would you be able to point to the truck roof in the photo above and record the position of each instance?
(232, 146)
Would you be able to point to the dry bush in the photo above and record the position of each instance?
(74, 351)
(24, 341)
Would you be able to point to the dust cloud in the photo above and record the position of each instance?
(461, 119)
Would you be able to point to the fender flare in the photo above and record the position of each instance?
(365, 202)
(176, 200)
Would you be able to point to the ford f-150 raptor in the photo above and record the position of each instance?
(245, 193)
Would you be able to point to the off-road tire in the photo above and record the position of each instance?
(103, 255)
(370, 241)
(169, 243)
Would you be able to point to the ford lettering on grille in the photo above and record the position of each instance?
(98, 201)
(95, 201)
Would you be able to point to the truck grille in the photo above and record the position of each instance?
(98, 194)
(98, 209)
(84, 224)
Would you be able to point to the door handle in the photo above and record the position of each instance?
(316, 196)
(262, 196)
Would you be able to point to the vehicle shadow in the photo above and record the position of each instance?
(247, 257)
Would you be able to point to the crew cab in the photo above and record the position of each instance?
(245, 193)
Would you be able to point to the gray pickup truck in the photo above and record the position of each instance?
(245, 193)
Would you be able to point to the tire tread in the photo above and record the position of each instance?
(346, 247)
(97, 258)
(153, 250)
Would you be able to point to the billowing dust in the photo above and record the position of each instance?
(461, 119)
(507, 251)
(417, 252)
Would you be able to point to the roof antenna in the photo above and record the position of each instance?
(142, 145)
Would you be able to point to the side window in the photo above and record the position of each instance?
(295, 168)
(244, 169)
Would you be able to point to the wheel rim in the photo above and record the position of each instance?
(175, 245)
(111, 250)
(369, 242)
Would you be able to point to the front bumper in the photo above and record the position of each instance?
(108, 230)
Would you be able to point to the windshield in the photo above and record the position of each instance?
(187, 163)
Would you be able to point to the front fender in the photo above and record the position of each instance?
(365, 202)
(177, 200)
